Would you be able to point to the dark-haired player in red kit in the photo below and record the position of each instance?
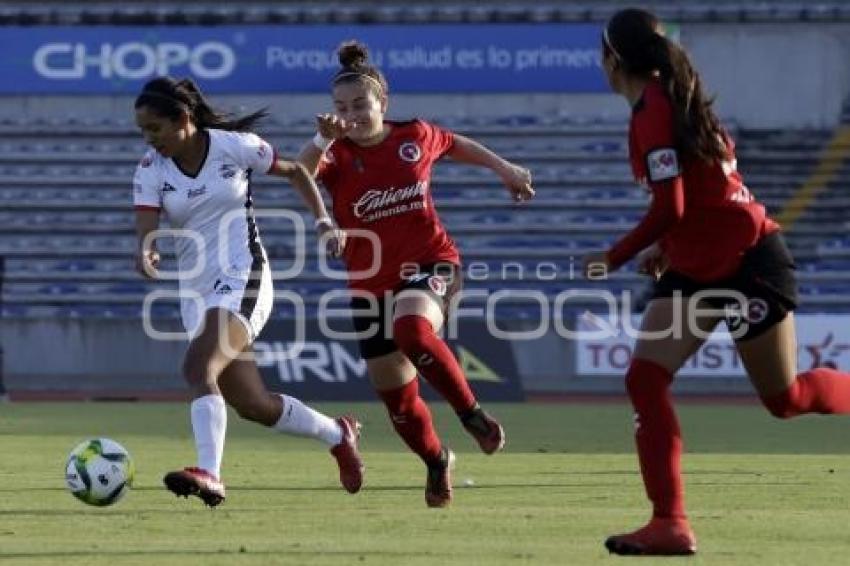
(704, 232)
(378, 173)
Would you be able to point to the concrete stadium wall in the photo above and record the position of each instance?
(772, 75)
(114, 358)
(87, 355)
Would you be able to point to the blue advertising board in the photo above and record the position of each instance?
(301, 59)
(319, 368)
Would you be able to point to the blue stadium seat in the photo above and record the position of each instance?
(60, 289)
(604, 147)
(584, 183)
(128, 288)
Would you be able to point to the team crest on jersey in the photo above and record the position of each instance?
(227, 170)
(662, 164)
(757, 310)
(329, 157)
(437, 285)
(410, 152)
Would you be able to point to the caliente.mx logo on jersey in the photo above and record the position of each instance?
(375, 204)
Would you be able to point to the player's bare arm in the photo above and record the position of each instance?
(303, 182)
(515, 177)
(147, 257)
(329, 127)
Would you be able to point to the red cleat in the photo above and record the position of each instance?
(484, 429)
(347, 456)
(438, 486)
(660, 537)
(195, 481)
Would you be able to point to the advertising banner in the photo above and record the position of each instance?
(286, 59)
(823, 340)
(332, 370)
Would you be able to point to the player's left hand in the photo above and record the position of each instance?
(518, 181)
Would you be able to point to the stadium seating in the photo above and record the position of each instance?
(206, 12)
(66, 226)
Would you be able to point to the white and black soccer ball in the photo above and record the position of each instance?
(99, 471)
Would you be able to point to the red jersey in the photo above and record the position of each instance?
(386, 189)
(701, 212)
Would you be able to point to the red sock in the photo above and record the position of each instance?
(412, 420)
(820, 390)
(415, 336)
(659, 441)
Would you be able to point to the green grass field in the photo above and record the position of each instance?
(760, 491)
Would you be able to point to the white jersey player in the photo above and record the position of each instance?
(224, 257)
(198, 176)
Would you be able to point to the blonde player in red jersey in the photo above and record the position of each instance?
(704, 232)
(197, 173)
(378, 173)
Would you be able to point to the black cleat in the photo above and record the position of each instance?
(195, 481)
(438, 486)
(484, 429)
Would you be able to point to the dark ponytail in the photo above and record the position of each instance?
(698, 129)
(172, 98)
(632, 35)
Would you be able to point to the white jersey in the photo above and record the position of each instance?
(215, 206)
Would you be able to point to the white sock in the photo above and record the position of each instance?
(299, 419)
(209, 423)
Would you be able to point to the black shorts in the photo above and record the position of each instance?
(373, 317)
(766, 278)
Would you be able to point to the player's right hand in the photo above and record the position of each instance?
(518, 181)
(336, 239)
(331, 126)
(147, 262)
(653, 262)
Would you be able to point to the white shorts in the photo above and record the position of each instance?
(250, 298)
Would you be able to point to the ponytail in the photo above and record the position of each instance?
(634, 37)
(172, 98)
(697, 129)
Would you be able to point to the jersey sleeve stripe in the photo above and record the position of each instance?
(274, 161)
(147, 207)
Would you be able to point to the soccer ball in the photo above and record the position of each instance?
(99, 471)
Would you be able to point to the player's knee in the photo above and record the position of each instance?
(197, 371)
(401, 401)
(410, 332)
(645, 378)
(781, 413)
(632, 383)
(635, 385)
(788, 403)
(779, 406)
